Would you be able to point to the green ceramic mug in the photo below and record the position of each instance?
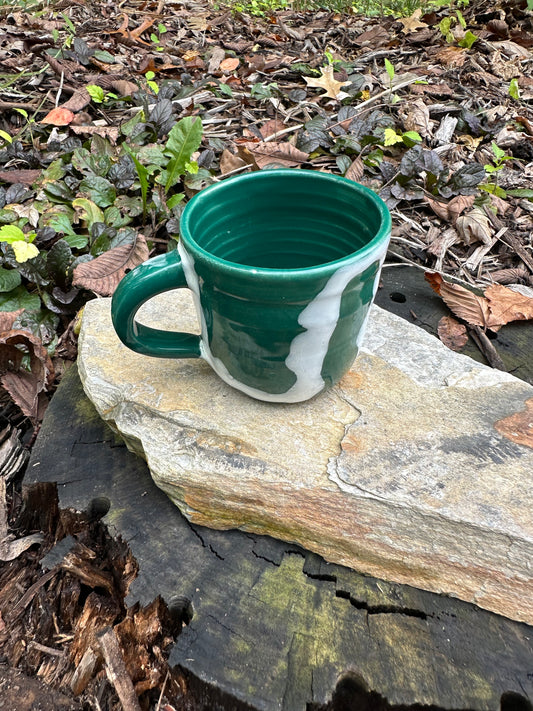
(283, 266)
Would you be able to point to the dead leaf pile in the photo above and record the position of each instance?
(498, 306)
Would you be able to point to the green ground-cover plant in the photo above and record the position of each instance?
(91, 200)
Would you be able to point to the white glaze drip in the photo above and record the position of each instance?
(308, 349)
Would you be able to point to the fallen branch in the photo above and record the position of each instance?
(116, 670)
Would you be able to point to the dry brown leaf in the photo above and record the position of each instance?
(452, 56)
(8, 318)
(465, 304)
(329, 83)
(217, 55)
(451, 210)
(452, 333)
(474, 227)
(103, 274)
(356, 170)
(270, 127)
(229, 64)
(123, 87)
(78, 101)
(507, 305)
(111, 132)
(198, 22)
(230, 162)
(264, 154)
(26, 387)
(58, 117)
(417, 119)
(20, 176)
(412, 23)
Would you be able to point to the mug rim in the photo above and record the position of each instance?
(380, 239)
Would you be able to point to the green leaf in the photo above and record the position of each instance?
(412, 136)
(114, 218)
(389, 66)
(7, 216)
(514, 91)
(7, 138)
(96, 93)
(61, 223)
(468, 40)
(143, 177)
(97, 163)
(461, 19)
(174, 200)
(55, 171)
(11, 233)
(89, 211)
(100, 190)
(151, 154)
(76, 241)
(58, 261)
(493, 189)
(225, 89)
(183, 140)
(19, 298)
(103, 56)
(521, 193)
(391, 137)
(9, 279)
(498, 152)
(127, 128)
(42, 324)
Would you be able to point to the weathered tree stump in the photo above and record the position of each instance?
(271, 626)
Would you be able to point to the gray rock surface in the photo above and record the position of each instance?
(417, 467)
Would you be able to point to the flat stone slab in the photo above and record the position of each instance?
(416, 468)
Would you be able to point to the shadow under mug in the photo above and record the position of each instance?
(283, 266)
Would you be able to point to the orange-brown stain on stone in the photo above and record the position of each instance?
(518, 427)
(353, 442)
(353, 380)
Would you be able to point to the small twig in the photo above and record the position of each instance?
(158, 707)
(47, 650)
(484, 344)
(116, 670)
(60, 89)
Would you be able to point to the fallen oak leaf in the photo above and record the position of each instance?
(229, 64)
(102, 275)
(355, 170)
(507, 305)
(263, 154)
(329, 83)
(474, 227)
(451, 210)
(26, 387)
(465, 304)
(412, 23)
(25, 176)
(58, 117)
(452, 333)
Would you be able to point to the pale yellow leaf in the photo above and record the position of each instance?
(412, 23)
(329, 83)
(391, 137)
(24, 250)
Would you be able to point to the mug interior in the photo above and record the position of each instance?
(285, 219)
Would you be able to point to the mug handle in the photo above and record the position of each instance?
(155, 276)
